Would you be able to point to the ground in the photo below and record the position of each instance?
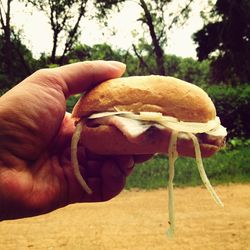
(138, 220)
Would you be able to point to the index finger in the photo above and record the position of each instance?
(82, 76)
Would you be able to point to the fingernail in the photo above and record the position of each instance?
(117, 64)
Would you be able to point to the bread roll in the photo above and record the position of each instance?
(167, 95)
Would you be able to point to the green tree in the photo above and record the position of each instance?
(194, 71)
(23, 64)
(172, 64)
(156, 27)
(16, 59)
(11, 46)
(225, 39)
(103, 51)
(64, 18)
(157, 21)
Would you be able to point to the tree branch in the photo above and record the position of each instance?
(157, 48)
(183, 10)
(1, 19)
(72, 34)
(142, 62)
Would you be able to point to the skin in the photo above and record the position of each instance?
(36, 174)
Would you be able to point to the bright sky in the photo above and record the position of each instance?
(38, 36)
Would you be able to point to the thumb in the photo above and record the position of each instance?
(79, 77)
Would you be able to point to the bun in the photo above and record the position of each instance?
(168, 95)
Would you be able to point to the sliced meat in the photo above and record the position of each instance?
(132, 129)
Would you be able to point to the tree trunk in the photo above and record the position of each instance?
(7, 42)
(157, 48)
(53, 52)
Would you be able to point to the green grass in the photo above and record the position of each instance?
(227, 166)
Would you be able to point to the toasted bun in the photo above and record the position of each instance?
(168, 95)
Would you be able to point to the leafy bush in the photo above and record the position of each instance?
(5, 83)
(233, 107)
(188, 69)
(193, 71)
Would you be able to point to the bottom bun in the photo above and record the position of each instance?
(108, 140)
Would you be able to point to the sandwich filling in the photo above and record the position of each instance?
(132, 125)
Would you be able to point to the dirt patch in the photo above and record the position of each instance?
(138, 220)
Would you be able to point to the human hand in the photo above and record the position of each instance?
(36, 174)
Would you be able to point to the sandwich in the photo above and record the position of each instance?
(148, 115)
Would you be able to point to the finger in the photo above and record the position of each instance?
(65, 132)
(93, 168)
(125, 163)
(75, 191)
(113, 180)
(82, 76)
(93, 156)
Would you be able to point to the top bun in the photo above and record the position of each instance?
(167, 95)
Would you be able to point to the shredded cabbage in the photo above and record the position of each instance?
(104, 114)
(212, 127)
(202, 170)
(74, 142)
(172, 154)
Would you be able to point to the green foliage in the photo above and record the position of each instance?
(188, 69)
(172, 65)
(195, 72)
(104, 6)
(103, 52)
(233, 107)
(236, 143)
(225, 167)
(71, 101)
(5, 82)
(2, 91)
(52, 65)
(21, 67)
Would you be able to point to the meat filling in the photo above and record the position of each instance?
(133, 129)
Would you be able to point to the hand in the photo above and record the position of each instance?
(36, 174)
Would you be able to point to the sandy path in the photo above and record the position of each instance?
(138, 220)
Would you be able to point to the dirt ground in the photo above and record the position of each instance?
(138, 220)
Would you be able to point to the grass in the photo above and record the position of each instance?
(227, 166)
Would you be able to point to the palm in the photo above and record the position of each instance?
(38, 178)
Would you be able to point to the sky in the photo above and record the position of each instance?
(38, 36)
